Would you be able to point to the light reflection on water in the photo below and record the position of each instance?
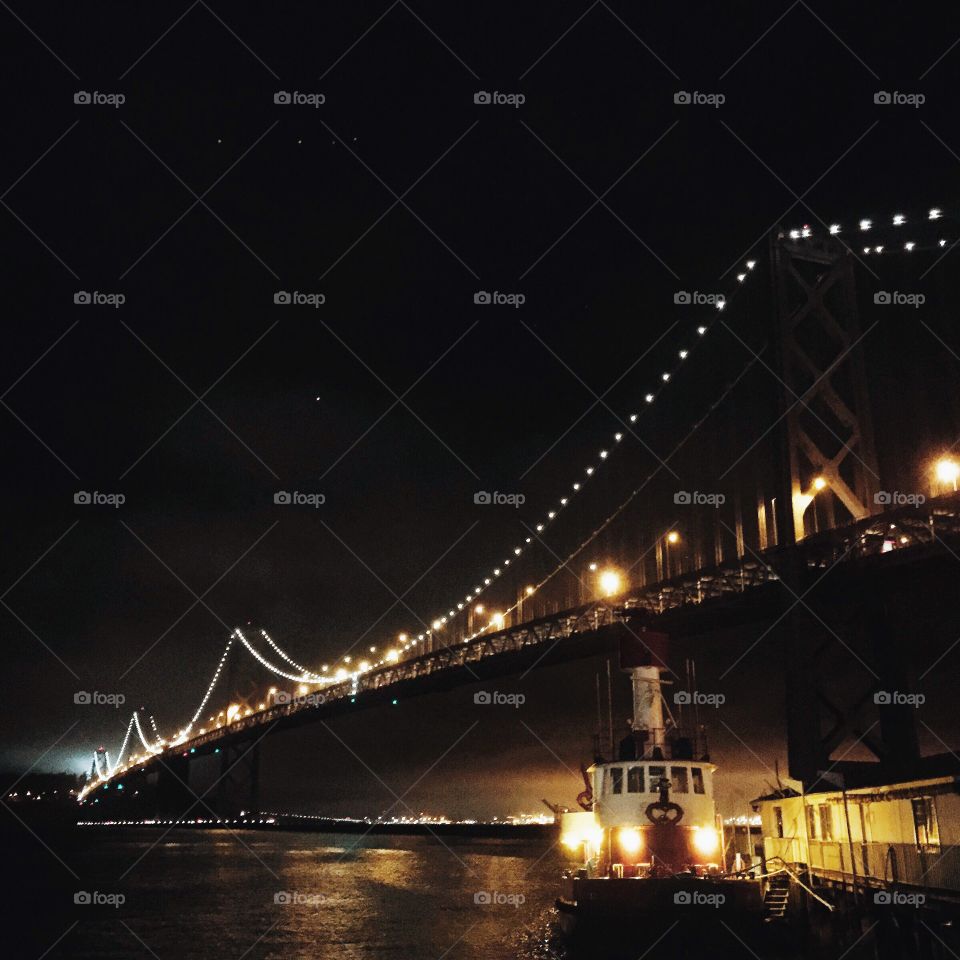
(212, 894)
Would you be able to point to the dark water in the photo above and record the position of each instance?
(185, 894)
(190, 894)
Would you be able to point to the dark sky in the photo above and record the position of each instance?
(397, 199)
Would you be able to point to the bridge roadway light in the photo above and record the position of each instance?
(948, 472)
(819, 483)
(611, 582)
(497, 620)
(673, 537)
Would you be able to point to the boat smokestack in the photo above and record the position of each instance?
(648, 704)
(643, 654)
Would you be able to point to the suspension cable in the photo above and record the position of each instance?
(306, 676)
(293, 663)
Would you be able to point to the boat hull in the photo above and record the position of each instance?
(613, 917)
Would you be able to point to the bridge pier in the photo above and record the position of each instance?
(238, 787)
(174, 796)
(846, 663)
(900, 748)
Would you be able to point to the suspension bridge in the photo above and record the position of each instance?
(808, 510)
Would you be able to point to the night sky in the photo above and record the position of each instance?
(397, 199)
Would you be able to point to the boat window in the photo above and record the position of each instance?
(925, 822)
(778, 820)
(811, 823)
(826, 822)
(678, 779)
(635, 780)
(616, 779)
(655, 774)
(697, 774)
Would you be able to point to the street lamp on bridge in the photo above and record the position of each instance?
(672, 539)
(527, 591)
(801, 501)
(947, 472)
(610, 582)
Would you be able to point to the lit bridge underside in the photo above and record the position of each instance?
(737, 592)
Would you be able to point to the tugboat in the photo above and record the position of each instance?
(648, 836)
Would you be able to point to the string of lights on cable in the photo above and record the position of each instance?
(185, 732)
(865, 225)
(576, 486)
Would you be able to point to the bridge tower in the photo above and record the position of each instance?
(826, 429)
(829, 467)
(101, 762)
